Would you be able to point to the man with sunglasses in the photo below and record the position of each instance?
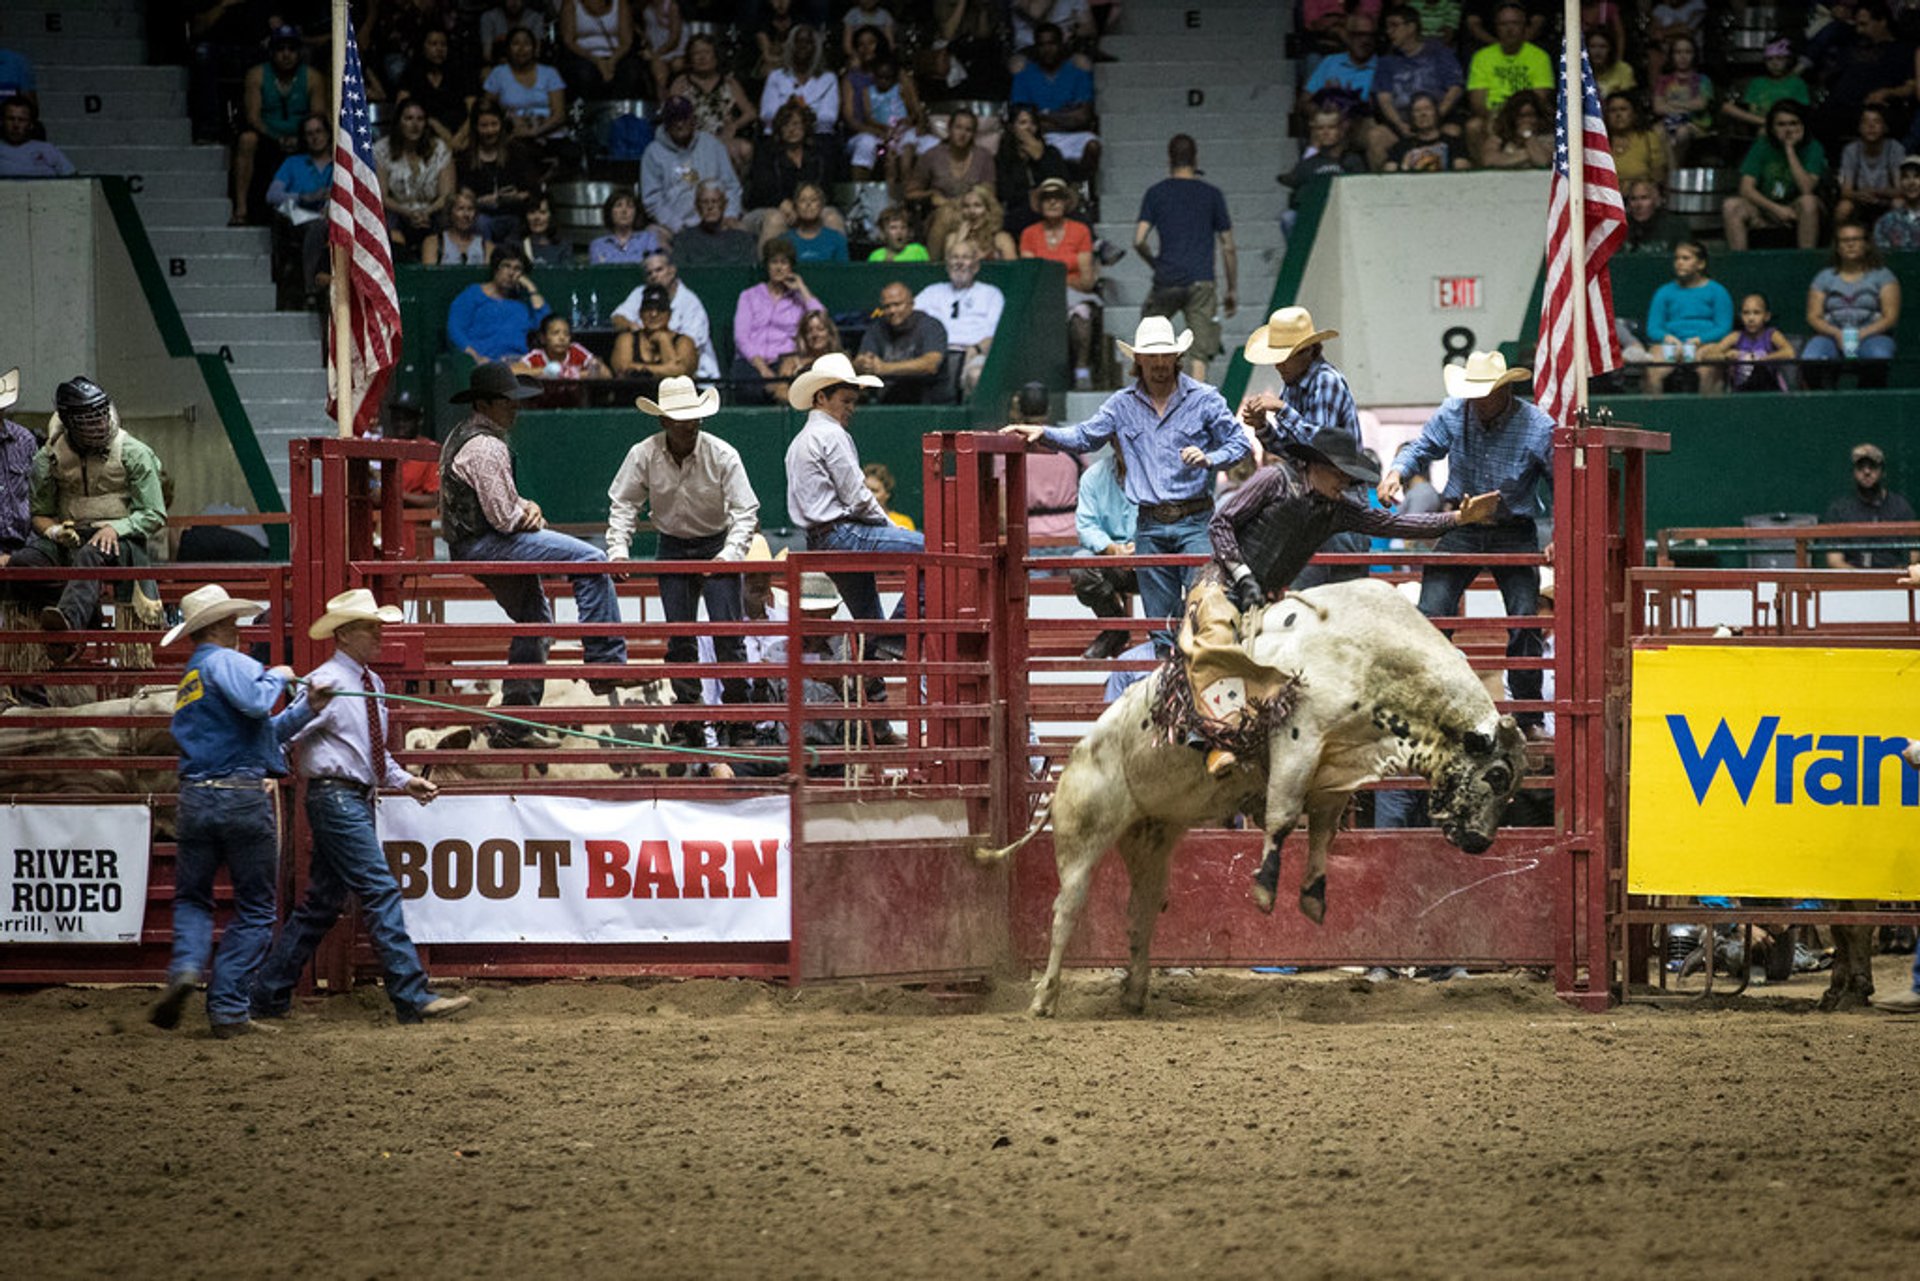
(1870, 503)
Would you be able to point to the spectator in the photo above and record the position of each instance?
(597, 53)
(905, 347)
(1778, 181)
(654, 351)
(416, 178)
(21, 154)
(666, 40)
(1672, 21)
(866, 16)
(1867, 168)
(896, 238)
(17, 79)
(1105, 519)
(1683, 98)
(721, 107)
(1053, 480)
(885, 122)
(499, 170)
(445, 90)
(225, 37)
(1324, 21)
(1062, 92)
(1870, 503)
(1611, 73)
(968, 52)
(299, 193)
(677, 161)
(276, 96)
(1024, 161)
(713, 241)
(460, 243)
(812, 237)
(1425, 149)
(981, 224)
(1069, 242)
(1511, 64)
(818, 336)
(1326, 153)
(968, 308)
(766, 321)
(485, 518)
(1853, 308)
(491, 321)
(695, 488)
(800, 79)
(532, 93)
(505, 18)
(1188, 215)
(770, 36)
(946, 172)
(687, 314)
(559, 357)
(1350, 72)
(1440, 19)
(1689, 312)
(1874, 67)
(540, 246)
(1753, 351)
(1650, 229)
(792, 158)
(17, 448)
(1413, 65)
(1482, 18)
(1899, 227)
(624, 241)
(1639, 150)
(1760, 93)
(1074, 18)
(879, 478)
(1519, 138)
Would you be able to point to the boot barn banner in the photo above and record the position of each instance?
(73, 873)
(1774, 772)
(557, 869)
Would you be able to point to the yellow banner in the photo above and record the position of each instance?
(1774, 772)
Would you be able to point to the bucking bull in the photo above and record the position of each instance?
(1382, 692)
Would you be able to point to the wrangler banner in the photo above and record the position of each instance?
(1774, 772)
(555, 869)
(73, 873)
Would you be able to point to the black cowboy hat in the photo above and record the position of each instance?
(1334, 447)
(495, 381)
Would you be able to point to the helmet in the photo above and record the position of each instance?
(87, 413)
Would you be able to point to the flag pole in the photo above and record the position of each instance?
(337, 289)
(1574, 103)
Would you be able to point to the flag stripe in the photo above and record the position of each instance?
(357, 224)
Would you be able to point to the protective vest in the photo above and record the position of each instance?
(461, 517)
(92, 490)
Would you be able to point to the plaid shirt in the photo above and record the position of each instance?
(1513, 454)
(1319, 399)
(17, 448)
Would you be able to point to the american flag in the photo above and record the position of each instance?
(1606, 219)
(357, 223)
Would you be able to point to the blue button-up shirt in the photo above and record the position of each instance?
(1103, 514)
(1151, 442)
(1321, 398)
(1513, 454)
(336, 744)
(222, 717)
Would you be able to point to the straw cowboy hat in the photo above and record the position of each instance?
(1484, 373)
(495, 381)
(757, 548)
(817, 591)
(9, 387)
(830, 370)
(205, 606)
(679, 399)
(356, 606)
(1335, 447)
(1285, 332)
(1053, 186)
(1153, 336)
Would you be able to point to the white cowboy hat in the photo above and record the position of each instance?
(830, 370)
(679, 399)
(1153, 336)
(356, 606)
(1285, 332)
(205, 606)
(817, 592)
(1484, 373)
(9, 387)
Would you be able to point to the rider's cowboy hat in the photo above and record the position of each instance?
(205, 606)
(1336, 448)
(1153, 336)
(1484, 373)
(1285, 332)
(830, 370)
(679, 399)
(356, 606)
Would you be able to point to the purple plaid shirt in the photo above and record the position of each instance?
(17, 448)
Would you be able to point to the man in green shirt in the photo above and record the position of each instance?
(1497, 72)
(896, 235)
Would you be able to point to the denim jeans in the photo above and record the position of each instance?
(79, 598)
(347, 858)
(1163, 589)
(235, 829)
(680, 597)
(526, 602)
(1821, 363)
(860, 591)
(1442, 586)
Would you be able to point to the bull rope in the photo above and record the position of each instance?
(1524, 861)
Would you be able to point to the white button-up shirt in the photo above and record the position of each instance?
(699, 497)
(824, 481)
(335, 744)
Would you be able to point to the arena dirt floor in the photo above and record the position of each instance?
(1247, 1127)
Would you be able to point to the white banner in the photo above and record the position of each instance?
(556, 869)
(73, 873)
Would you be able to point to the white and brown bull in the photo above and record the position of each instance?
(85, 741)
(572, 695)
(1382, 692)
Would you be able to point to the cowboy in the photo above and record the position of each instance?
(345, 762)
(1173, 432)
(1492, 440)
(819, 601)
(1313, 395)
(230, 745)
(485, 518)
(17, 448)
(695, 488)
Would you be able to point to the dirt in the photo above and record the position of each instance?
(1311, 1126)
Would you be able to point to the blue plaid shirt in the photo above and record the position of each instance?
(1320, 399)
(1151, 442)
(1513, 454)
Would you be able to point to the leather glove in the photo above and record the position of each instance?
(1246, 594)
(64, 535)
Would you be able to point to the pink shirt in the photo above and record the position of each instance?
(765, 323)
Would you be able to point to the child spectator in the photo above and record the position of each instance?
(1611, 73)
(896, 238)
(813, 240)
(1867, 168)
(1760, 93)
(1751, 348)
(1778, 180)
(1682, 98)
(1519, 138)
(559, 356)
(1688, 313)
(884, 116)
(879, 478)
(1899, 227)
(867, 15)
(1669, 22)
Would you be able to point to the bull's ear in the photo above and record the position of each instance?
(1477, 744)
(1510, 729)
(457, 739)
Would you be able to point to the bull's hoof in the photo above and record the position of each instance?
(1040, 1009)
(1135, 1005)
(1848, 998)
(1313, 901)
(1263, 897)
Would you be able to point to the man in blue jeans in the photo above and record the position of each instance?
(230, 744)
(1174, 432)
(345, 762)
(485, 518)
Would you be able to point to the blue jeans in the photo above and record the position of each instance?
(1163, 589)
(858, 588)
(1442, 586)
(1822, 362)
(232, 828)
(680, 597)
(347, 858)
(526, 602)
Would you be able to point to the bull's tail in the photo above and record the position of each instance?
(984, 855)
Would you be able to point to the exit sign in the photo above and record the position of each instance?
(1456, 293)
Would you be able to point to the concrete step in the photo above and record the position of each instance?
(111, 101)
(124, 158)
(1264, 44)
(284, 384)
(249, 354)
(76, 132)
(211, 269)
(1251, 234)
(209, 211)
(96, 51)
(216, 240)
(63, 75)
(256, 296)
(162, 185)
(1178, 107)
(210, 329)
(1203, 73)
(1262, 20)
(30, 21)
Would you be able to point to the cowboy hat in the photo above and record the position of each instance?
(356, 606)
(1153, 336)
(495, 381)
(1285, 332)
(205, 606)
(679, 399)
(1484, 373)
(9, 387)
(1334, 447)
(1052, 186)
(757, 548)
(830, 370)
(817, 592)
